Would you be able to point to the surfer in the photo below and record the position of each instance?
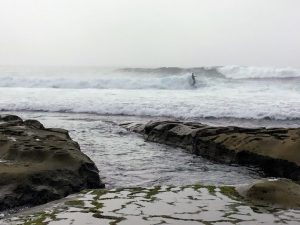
(193, 80)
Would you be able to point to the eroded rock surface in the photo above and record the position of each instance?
(40, 164)
(184, 205)
(276, 192)
(276, 150)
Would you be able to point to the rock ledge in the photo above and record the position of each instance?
(40, 164)
(276, 150)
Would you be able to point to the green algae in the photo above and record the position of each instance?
(210, 188)
(197, 187)
(115, 219)
(134, 190)
(149, 204)
(152, 192)
(75, 203)
(39, 218)
(36, 221)
(93, 210)
(97, 192)
(97, 204)
(230, 191)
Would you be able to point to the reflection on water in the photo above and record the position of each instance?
(186, 205)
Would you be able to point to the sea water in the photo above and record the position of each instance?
(90, 102)
(219, 92)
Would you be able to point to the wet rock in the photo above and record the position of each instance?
(275, 150)
(276, 192)
(34, 124)
(38, 165)
(181, 205)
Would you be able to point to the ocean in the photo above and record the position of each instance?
(91, 102)
(220, 92)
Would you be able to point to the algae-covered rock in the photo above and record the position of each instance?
(176, 205)
(38, 165)
(278, 192)
(275, 150)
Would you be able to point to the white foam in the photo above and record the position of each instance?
(280, 104)
(240, 72)
(115, 81)
(166, 78)
(155, 94)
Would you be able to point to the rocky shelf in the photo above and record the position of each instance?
(182, 205)
(275, 150)
(39, 164)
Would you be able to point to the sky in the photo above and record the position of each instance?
(150, 33)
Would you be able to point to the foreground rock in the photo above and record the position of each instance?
(275, 192)
(183, 205)
(276, 150)
(38, 165)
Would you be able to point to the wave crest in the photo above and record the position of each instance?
(172, 78)
(243, 72)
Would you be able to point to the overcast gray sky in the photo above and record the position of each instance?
(150, 32)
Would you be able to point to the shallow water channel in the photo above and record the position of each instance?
(125, 159)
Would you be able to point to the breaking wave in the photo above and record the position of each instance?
(103, 82)
(172, 78)
(220, 92)
(239, 72)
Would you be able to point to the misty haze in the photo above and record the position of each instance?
(149, 112)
